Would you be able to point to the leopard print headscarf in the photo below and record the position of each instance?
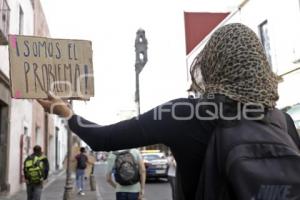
(233, 63)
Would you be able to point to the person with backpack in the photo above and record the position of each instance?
(236, 83)
(81, 165)
(36, 169)
(127, 174)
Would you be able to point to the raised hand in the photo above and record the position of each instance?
(56, 105)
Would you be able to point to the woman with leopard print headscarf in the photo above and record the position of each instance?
(233, 63)
(233, 68)
(235, 72)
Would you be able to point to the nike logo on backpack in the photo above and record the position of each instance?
(274, 192)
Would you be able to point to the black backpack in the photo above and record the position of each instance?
(81, 161)
(126, 169)
(253, 160)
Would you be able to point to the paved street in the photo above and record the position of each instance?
(54, 189)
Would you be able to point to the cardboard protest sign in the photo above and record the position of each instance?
(39, 65)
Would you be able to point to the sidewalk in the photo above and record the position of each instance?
(54, 190)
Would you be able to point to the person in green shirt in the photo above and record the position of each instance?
(134, 191)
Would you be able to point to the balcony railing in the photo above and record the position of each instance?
(4, 22)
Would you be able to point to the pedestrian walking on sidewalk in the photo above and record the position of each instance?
(36, 168)
(172, 175)
(126, 173)
(82, 162)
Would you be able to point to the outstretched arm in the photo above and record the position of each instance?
(155, 126)
(122, 135)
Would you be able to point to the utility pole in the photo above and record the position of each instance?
(141, 59)
(68, 193)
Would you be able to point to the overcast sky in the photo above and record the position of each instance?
(111, 25)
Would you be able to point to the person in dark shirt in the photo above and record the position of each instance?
(81, 165)
(231, 71)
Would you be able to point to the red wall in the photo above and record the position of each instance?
(198, 25)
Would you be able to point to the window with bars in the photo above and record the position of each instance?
(264, 36)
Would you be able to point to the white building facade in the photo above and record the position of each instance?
(21, 22)
(57, 146)
(23, 123)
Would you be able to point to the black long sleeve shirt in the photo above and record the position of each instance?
(185, 125)
(175, 124)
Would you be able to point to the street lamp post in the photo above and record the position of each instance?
(141, 59)
(68, 193)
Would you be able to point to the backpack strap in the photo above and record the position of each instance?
(286, 122)
(291, 129)
(121, 152)
(30, 161)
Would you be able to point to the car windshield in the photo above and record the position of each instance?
(151, 157)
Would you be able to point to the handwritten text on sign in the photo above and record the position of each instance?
(39, 65)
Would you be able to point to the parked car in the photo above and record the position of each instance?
(156, 164)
